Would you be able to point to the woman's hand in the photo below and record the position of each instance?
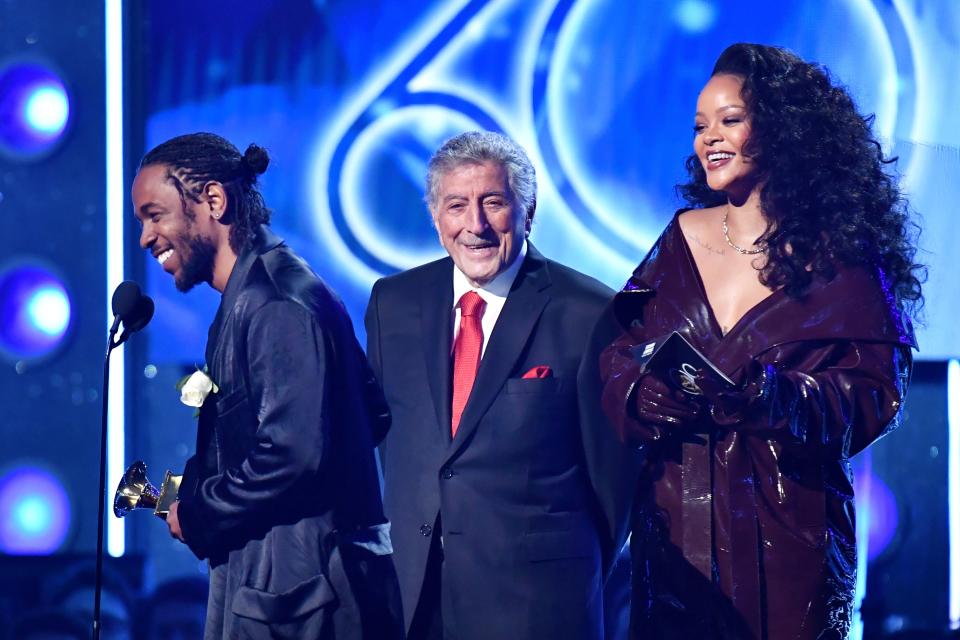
(658, 403)
(729, 406)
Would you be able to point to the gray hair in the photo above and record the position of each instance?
(477, 147)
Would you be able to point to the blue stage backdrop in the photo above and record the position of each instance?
(352, 97)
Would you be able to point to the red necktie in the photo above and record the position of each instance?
(466, 353)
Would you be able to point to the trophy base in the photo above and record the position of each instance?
(168, 494)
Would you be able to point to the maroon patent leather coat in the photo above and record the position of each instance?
(747, 530)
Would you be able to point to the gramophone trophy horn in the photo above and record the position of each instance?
(136, 492)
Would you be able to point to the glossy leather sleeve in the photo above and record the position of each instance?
(838, 397)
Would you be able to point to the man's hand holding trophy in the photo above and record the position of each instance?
(135, 490)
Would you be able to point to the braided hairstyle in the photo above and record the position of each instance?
(198, 158)
(826, 193)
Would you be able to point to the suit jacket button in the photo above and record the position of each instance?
(425, 530)
(447, 473)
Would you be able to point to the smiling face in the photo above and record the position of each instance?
(178, 232)
(479, 221)
(722, 127)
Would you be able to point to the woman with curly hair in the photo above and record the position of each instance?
(793, 273)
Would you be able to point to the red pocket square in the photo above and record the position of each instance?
(538, 372)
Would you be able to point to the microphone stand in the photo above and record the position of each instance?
(98, 580)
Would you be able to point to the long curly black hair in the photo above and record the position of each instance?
(826, 193)
(197, 158)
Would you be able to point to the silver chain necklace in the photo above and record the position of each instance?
(737, 248)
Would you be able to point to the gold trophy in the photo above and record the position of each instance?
(136, 492)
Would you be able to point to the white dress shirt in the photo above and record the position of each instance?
(494, 293)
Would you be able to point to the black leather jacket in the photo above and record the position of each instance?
(283, 494)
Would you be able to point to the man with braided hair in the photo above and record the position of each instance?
(282, 496)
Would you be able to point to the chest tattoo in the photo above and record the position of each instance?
(710, 248)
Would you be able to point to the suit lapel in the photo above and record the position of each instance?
(436, 308)
(527, 298)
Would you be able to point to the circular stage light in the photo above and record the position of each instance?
(35, 312)
(34, 512)
(47, 110)
(695, 16)
(880, 509)
(34, 110)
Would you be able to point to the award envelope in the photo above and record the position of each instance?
(678, 362)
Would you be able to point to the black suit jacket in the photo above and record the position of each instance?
(283, 495)
(525, 538)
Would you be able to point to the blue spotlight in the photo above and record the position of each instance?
(49, 310)
(695, 16)
(47, 110)
(881, 510)
(34, 512)
(34, 110)
(35, 312)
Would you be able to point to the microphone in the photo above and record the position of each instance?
(124, 303)
(138, 318)
(131, 307)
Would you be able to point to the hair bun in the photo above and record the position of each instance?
(255, 159)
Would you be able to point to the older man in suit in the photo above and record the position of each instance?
(503, 483)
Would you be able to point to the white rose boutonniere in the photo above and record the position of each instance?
(195, 388)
